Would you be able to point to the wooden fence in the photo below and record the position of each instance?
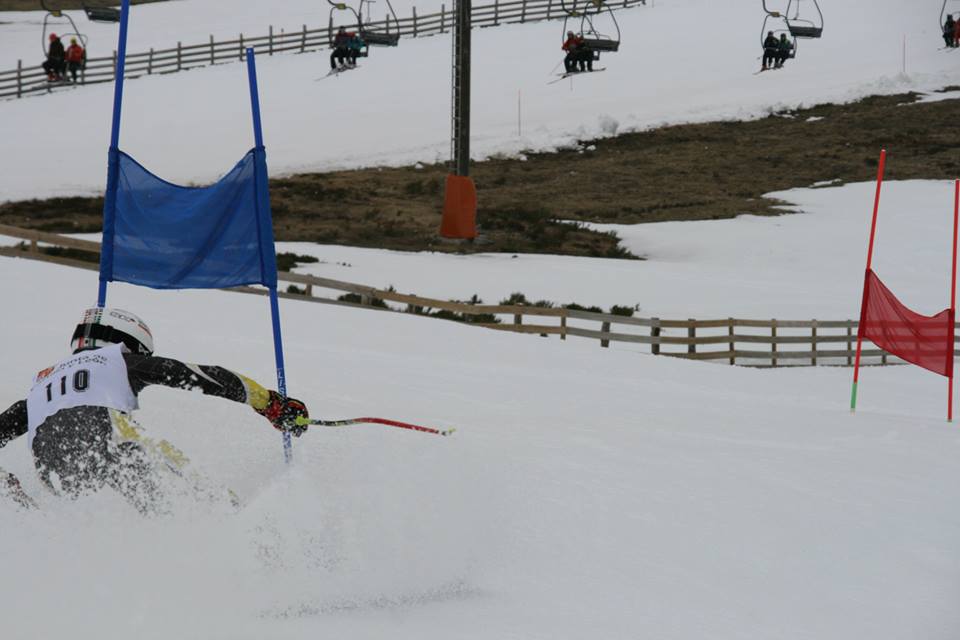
(31, 79)
(735, 341)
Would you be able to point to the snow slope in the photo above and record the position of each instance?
(586, 494)
(191, 127)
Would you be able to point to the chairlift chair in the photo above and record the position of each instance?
(101, 14)
(341, 6)
(385, 38)
(50, 22)
(593, 39)
(784, 28)
(799, 27)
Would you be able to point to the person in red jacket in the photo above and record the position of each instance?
(956, 33)
(577, 53)
(76, 58)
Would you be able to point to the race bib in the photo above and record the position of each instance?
(95, 378)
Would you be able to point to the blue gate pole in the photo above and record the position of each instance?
(113, 162)
(263, 213)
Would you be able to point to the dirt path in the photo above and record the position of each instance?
(684, 172)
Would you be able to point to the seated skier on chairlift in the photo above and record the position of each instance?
(771, 51)
(578, 54)
(76, 58)
(341, 49)
(949, 26)
(355, 47)
(55, 65)
(784, 50)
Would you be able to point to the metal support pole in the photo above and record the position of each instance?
(113, 160)
(461, 89)
(263, 211)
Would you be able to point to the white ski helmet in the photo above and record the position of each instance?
(101, 326)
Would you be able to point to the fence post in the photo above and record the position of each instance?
(813, 340)
(732, 344)
(883, 358)
(179, 56)
(19, 78)
(605, 328)
(773, 342)
(496, 13)
(517, 319)
(241, 47)
(213, 55)
(270, 46)
(414, 22)
(308, 290)
(549, 8)
(303, 41)
(114, 64)
(655, 335)
(523, 11)
(850, 343)
(563, 325)
(443, 16)
(150, 62)
(692, 333)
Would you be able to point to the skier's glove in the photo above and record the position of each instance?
(283, 413)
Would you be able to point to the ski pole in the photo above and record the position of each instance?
(302, 422)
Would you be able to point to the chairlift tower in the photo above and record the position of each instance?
(460, 198)
(460, 99)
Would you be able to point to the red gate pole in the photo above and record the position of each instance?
(863, 301)
(953, 298)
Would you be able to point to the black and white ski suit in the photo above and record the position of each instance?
(79, 447)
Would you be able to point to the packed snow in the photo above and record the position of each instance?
(588, 493)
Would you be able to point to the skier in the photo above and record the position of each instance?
(354, 46)
(771, 49)
(577, 54)
(784, 50)
(341, 48)
(54, 65)
(77, 413)
(948, 28)
(956, 33)
(76, 58)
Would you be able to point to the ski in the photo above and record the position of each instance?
(570, 74)
(302, 422)
(339, 70)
